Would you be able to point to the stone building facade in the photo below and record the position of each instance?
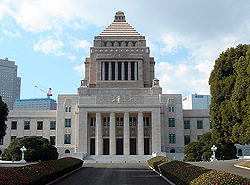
(119, 108)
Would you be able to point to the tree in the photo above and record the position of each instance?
(38, 148)
(227, 80)
(3, 117)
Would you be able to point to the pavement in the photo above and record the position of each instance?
(113, 173)
(227, 166)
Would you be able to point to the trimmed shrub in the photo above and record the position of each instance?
(38, 148)
(40, 173)
(184, 173)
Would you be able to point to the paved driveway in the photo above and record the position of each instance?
(227, 166)
(113, 173)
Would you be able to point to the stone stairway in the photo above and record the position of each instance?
(116, 158)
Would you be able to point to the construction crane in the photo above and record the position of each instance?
(48, 93)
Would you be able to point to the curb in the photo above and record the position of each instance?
(64, 176)
(170, 182)
(238, 166)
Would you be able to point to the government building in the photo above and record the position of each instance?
(119, 109)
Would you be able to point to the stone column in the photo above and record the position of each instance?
(116, 71)
(140, 75)
(140, 136)
(126, 137)
(156, 130)
(112, 143)
(82, 131)
(129, 71)
(98, 135)
(110, 71)
(103, 70)
(123, 71)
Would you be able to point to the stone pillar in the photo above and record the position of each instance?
(156, 130)
(140, 136)
(140, 75)
(129, 71)
(98, 135)
(103, 70)
(83, 121)
(112, 143)
(116, 71)
(110, 71)
(126, 137)
(123, 71)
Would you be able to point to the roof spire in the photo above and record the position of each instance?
(119, 17)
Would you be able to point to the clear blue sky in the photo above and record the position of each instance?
(49, 39)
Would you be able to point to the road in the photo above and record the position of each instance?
(113, 173)
(227, 166)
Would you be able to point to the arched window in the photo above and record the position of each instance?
(239, 152)
(67, 151)
(172, 151)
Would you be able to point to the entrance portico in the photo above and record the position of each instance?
(119, 133)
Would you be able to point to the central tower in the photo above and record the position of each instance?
(119, 58)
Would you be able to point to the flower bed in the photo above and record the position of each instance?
(40, 173)
(183, 173)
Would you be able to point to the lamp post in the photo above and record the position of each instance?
(213, 148)
(23, 149)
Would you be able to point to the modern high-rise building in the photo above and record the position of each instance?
(9, 82)
(196, 101)
(35, 104)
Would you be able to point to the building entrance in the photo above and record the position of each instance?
(132, 146)
(92, 146)
(105, 146)
(146, 146)
(119, 146)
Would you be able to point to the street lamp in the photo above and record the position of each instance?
(214, 148)
(23, 149)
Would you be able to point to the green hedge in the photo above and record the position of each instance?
(40, 173)
(183, 173)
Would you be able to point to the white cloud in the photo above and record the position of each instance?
(49, 45)
(80, 69)
(76, 43)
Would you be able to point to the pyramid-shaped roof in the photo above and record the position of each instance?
(119, 27)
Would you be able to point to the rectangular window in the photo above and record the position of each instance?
(13, 137)
(172, 109)
(145, 121)
(117, 121)
(106, 71)
(121, 121)
(132, 71)
(52, 125)
(198, 137)
(130, 121)
(108, 121)
(125, 70)
(66, 109)
(113, 70)
(67, 139)
(13, 125)
(53, 140)
(101, 69)
(104, 122)
(69, 109)
(169, 109)
(92, 121)
(1, 141)
(67, 122)
(172, 138)
(26, 125)
(119, 71)
(134, 121)
(186, 139)
(39, 125)
(171, 122)
(186, 124)
(200, 124)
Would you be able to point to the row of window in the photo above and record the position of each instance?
(112, 44)
(171, 123)
(27, 125)
(67, 109)
(119, 121)
(186, 139)
(52, 140)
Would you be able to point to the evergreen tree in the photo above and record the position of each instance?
(3, 117)
(222, 86)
